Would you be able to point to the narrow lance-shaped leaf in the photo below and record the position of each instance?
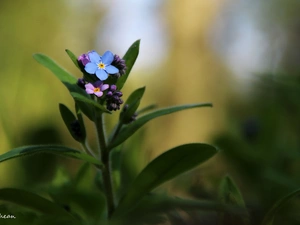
(66, 78)
(73, 58)
(71, 123)
(158, 203)
(85, 107)
(52, 149)
(163, 168)
(35, 202)
(130, 129)
(146, 109)
(82, 98)
(132, 103)
(81, 122)
(230, 194)
(269, 217)
(130, 58)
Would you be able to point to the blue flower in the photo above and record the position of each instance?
(101, 65)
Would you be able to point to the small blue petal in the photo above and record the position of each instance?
(94, 57)
(107, 57)
(111, 69)
(101, 74)
(91, 68)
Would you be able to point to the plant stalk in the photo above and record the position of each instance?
(106, 172)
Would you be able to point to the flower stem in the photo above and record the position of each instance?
(106, 172)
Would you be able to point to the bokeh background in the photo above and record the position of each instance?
(241, 55)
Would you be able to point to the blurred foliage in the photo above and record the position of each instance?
(29, 105)
(261, 145)
(260, 142)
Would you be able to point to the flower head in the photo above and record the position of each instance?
(97, 88)
(120, 64)
(101, 65)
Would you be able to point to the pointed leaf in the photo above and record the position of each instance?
(147, 108)
(230, 194)
(81, 122)
(131, 128)
(269, 217)
(130, 57)
(33, 201)
(89, 101)
(157, 203)
(70, 120)
(52, 149)
(73, 58)
(85, 108)
(132, 104)
(154, 204)
(66, 78)
(163, 168)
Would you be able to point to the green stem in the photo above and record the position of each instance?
(106, 173)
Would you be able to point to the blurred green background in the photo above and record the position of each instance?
(243, 56)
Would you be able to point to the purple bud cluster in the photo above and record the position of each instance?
(113, 98)
(120, 64)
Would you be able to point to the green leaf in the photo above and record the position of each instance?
(52, 149)
(269, 217)
(81, 122)
(230, 194)
(80, 195)
(69, 118)
(147, 108)
(131, 128)
(156, 204)
(163, 168)
(84, 107)
(132, 103)
(73, 58)
(130, 57)
(66, 78)
(33, 201)
(89, 101)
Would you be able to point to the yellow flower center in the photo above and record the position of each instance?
(96, 90)
(101, 65)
